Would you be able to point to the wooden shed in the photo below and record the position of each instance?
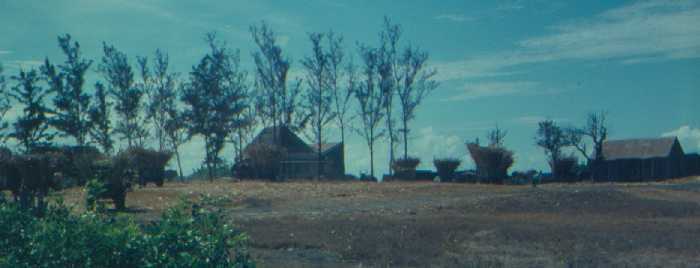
(641, 160)
(692, 164)
(302, 159)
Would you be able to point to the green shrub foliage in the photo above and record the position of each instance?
(405, 168)
(492, 162)
(187, 235)
(446, 167)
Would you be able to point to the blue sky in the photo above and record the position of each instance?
(507, 63)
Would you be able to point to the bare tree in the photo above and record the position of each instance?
(496, 137)
(277, 103)
(387, 67)
(341, 95)
(416, 82)
(370, 101)
(596, 132)
(403, 72)
(116, 70)
(319, 95)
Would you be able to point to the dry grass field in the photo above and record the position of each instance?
(419, 224)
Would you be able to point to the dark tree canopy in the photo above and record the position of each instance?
(553, 139)
(4, 105)
(31, 129)
(214, 96)
(120, 77)
(101, 123)
(277, 102)
(159, 84)
(71, 102)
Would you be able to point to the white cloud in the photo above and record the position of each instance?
(4, 52)
(688, 136)
(640, 32)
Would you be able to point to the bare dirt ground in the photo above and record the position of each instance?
(418, 224)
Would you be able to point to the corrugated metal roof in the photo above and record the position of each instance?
(638, 148)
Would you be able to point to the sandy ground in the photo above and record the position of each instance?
(419, 224)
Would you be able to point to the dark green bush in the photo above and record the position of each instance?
(187, 235)
(405, 168)
(446, 167)
(492, 162)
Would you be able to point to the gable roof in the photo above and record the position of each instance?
(326, 147)
(638, 148)
(285, 139)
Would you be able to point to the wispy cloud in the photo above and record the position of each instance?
(689, 136)
(14, 65)
(640, 32)
(5, 52)
(535, 119)
(454, 17)
(499, 89)
(665, 29)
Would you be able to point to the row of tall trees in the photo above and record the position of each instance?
(217, 100)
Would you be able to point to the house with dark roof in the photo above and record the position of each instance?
(641, 160)
(301, 159)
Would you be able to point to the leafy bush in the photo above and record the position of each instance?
(188, 235)
(94, 190)
(149, 164)
(565, 169)
(202, 173)
(492, 162)
(405, 168)
(446, 167)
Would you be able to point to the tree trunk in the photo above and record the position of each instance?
(320, 155)
(208, 159)
(405, 138)
(371, 159)
(390, 128)
(179, 164)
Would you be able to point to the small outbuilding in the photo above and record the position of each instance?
(692, 164)
(641, 160)
(301, 159)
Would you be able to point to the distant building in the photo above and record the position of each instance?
(301, 160)
(692, 164)
(641, 160)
